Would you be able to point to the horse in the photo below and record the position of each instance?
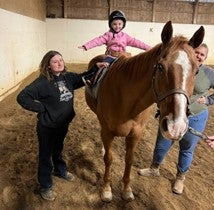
(163, 75)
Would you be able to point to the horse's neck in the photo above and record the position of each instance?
(145, 97)
(140, 72)
(137, 74)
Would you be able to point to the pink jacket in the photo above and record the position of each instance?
(116, 42)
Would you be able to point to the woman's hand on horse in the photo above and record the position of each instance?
(102, 64)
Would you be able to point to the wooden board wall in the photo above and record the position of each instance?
(31, 8)
(135, 10)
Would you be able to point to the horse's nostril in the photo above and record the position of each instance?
(164, 124)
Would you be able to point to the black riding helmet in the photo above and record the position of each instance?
(117, 14)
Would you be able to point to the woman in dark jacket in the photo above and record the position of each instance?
(51, 96)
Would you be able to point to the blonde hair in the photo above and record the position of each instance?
(205, 46)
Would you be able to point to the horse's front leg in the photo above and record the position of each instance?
(131, 143)
(107, 138)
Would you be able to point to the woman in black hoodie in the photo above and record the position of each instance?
(51, 96)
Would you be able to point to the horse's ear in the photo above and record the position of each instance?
(166, 34)
(197, 37)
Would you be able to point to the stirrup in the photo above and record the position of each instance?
(87, 82)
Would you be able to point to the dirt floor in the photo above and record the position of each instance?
(82, 151)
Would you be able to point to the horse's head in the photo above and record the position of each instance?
(173, 80)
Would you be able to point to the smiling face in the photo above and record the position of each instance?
(56, 64)
(201, 54)
(117, 25)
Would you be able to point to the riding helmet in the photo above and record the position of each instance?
(117, 14)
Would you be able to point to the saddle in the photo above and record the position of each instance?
(117, 54)
(94, 86)
(95, 81)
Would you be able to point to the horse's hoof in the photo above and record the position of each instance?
(106, 196)
(128, 196)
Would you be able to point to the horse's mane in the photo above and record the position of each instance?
(133, 65)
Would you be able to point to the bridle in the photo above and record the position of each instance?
(161, 97)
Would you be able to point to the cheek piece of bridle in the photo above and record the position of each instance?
(161, 97)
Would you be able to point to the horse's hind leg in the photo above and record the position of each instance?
(107, 138)
(131, 143)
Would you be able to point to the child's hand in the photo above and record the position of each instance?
(82, 47)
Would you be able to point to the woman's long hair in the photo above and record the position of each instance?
(44, 66)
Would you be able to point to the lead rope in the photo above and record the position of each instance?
(197, 133)
(190, 129)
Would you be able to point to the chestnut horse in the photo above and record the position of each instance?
(163, 75)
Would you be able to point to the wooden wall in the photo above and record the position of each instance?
(31, 8)
(178, 11)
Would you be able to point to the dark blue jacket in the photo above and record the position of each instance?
(52, 100)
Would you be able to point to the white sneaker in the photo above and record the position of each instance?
(48, 194)
(149, 172)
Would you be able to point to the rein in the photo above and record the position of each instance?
(160, 98)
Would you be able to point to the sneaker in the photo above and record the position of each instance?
(47, 194)
(149, 172)
(67, 176)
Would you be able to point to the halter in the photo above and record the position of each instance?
(160, 98)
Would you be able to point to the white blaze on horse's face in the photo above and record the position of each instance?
(183, 60)
(178, 126)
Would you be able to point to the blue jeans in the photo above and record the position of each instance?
(186, 145)
(109, 59)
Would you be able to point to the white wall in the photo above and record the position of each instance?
(65, 35)
(22, 43)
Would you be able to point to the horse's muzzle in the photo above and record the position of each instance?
(173, 129)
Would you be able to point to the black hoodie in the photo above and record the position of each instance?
(52, 100)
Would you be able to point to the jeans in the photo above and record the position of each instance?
(109, 59)
(186, 145)
(50, 153)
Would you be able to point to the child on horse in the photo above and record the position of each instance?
(115, 39)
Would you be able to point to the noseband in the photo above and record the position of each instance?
(159, 97)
